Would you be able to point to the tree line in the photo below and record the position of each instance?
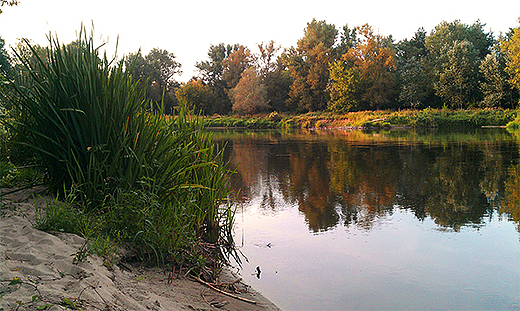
(350, 69)
(344, 69)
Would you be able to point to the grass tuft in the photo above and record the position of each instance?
(127, 174)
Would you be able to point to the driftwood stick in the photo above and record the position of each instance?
(224, 292)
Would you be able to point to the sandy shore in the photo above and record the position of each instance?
(37, 273)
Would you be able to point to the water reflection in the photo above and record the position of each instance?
(357, 178)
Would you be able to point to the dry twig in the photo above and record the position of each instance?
(224, 292)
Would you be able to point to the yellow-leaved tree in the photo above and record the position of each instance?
(511, 49)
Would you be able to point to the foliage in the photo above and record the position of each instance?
(447, 33)
(211, 73)
(455, 51)
(157, 70)
(414, 82)
(344, 88)
(515, 124)
(4, 58)
(249, 95)
(365, 79)
(308, 65)
(459, 75)
(346, 69)
(196, 96)
(235, 64)
(84, 115)
(495, 86)
(21, 176)
(511, 48)
(266, 61)
(276, 80)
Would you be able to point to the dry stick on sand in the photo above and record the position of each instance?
(224, 292)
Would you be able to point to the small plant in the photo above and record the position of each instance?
(83, 253)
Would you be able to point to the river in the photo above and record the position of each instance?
(401, 219)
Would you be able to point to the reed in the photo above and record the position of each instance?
(160, 182)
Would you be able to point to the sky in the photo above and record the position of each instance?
(188, 28)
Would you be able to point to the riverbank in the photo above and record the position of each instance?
(427, 118)
(37, 273)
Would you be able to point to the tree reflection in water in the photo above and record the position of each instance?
(358, 178)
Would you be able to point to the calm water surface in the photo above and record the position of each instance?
(385, 220)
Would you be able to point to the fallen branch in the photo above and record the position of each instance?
(224, 292)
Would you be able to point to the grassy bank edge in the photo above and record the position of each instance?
(426, 118)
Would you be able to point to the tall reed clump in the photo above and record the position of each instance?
(157, 181)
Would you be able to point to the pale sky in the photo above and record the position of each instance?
(188, 28)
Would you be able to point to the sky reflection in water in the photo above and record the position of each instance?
(399, 220)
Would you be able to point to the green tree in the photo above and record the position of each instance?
(308, 65)
(448, 33)
(459, 75)
(414, 83)
(446, 42)
(165, 67)
(157, 69)
(495, 86)
(5, 64)
(212, 73)
(275, 78)
(196, 96)
(348, 39)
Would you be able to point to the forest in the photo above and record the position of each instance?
(455, 65)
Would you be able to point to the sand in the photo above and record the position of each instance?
(37, 273)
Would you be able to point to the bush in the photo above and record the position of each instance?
(514, 125)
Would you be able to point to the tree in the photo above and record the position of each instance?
(511, 48)
(344, 88)
(372, 82)
(196, 96)
(8, 3)
(448, 33)
(308, 65)
(249, 94)
(495, 86)
(165, 67)
(441, 46)
(348, 39)
(414, 84)
(235, 64)
(5, 65)
(266, 60)
(211, 72)
(275, 78)
(158, 69)
(459, 75)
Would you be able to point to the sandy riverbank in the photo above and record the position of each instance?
(36, 270)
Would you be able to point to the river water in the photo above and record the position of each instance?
(352, 220)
